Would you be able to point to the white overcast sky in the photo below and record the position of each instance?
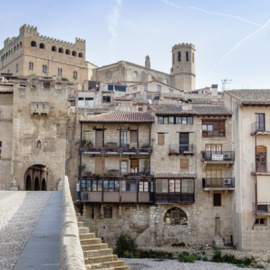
(231, 37)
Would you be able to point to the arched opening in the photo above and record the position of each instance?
(81, 55)
(60, 50)
(37, 186)
(28, 183)
(43, 185)
(38, 177)
(41, 46)
(54, 49)
(175, 216)
(33, 44)
(67, 51)
(74, 53)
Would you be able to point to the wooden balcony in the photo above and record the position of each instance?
(260, 168)
(116, 190)
(260, 128)
(221, 157)
(115, 150)
(226, 183)
(181, 149)
(213, 133)
(175, 197)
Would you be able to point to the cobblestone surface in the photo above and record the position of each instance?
(19, 212)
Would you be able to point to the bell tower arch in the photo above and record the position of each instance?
(183, 66)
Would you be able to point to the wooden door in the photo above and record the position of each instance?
(99, 138)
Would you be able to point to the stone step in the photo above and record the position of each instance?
(96, 253)
(106, 265)
(95, 247)
(90, 241)
(101, 259)
(84, 236)
(80, 224)
(83, 230)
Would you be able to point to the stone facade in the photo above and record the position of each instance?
(31, 53)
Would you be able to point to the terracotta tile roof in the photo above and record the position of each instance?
(119, 117)
(251, 97)
(176, 175)
(211, 110)
(171, 109)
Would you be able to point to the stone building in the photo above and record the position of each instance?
(31, 53)
(35, 117)
(250, 139)
(182, 75)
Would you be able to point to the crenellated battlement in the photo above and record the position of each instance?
(28, 29)
(183, 45)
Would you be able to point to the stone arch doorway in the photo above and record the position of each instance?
(37, 177)
(28, 183)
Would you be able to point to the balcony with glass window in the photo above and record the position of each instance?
(181, 149)
(218, 157)
(210, 184)
(260, 128)
(106, 189)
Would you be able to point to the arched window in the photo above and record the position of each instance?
(37, 186)
(54, 49)
(74, 53)
(43, 185)
(28, 183)
(60, 50)
(20, 44)
(176, 216)
(33, 44)
(81, 55)
(68, 51)
(41, 46)
(38, 144)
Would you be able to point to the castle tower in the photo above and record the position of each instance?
(183, 66)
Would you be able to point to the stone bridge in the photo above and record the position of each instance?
(39, 230)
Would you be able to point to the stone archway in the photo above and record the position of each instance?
(28, 183)
(37, 177)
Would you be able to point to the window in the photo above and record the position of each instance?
(44, 68)
(217, 199)
(213, 128)
(160, 120)
(149, 97)
(170, 91)
(81, 55)
(60, 50)
(145, 87)
(133, 136)
(46, 85)
(176, 216)
(0, 149)
(74, 53)
(179, 56)
(17, 67)
(161, 138)
(106, 99)
(143, 186)
(41, 46)
(187, 56)
(184, 120)
(54, 49)
(107, 212)
(261, 221)
(184, 164)
(75, 74)
(131, 186)
(67, 52)
(31, 66)
(135, 74)
(112, 185)
(59, 71)
(33, 44)
(260, 121)
(171, 120)
(123, 138)
(134, 88)
(124, 167)
(158, 88)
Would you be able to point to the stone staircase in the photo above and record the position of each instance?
(97, 255)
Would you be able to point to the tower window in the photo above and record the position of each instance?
(44, 68)
(158, 88)
(33, 44)
(74, 53)
(187, 56)
(60, 50)
(67, 52)
(75, 74)
(81, 55)
(179, 56)
(17, 67)
(41, 46)
(59, 71)
(53, 48)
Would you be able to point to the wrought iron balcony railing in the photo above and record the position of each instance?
(181, 149)
(219, 156)
(226, 182)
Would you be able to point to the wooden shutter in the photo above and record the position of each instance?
(160, 138)
(133, 136)
(184, 164)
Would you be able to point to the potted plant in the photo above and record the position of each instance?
(83, 143)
